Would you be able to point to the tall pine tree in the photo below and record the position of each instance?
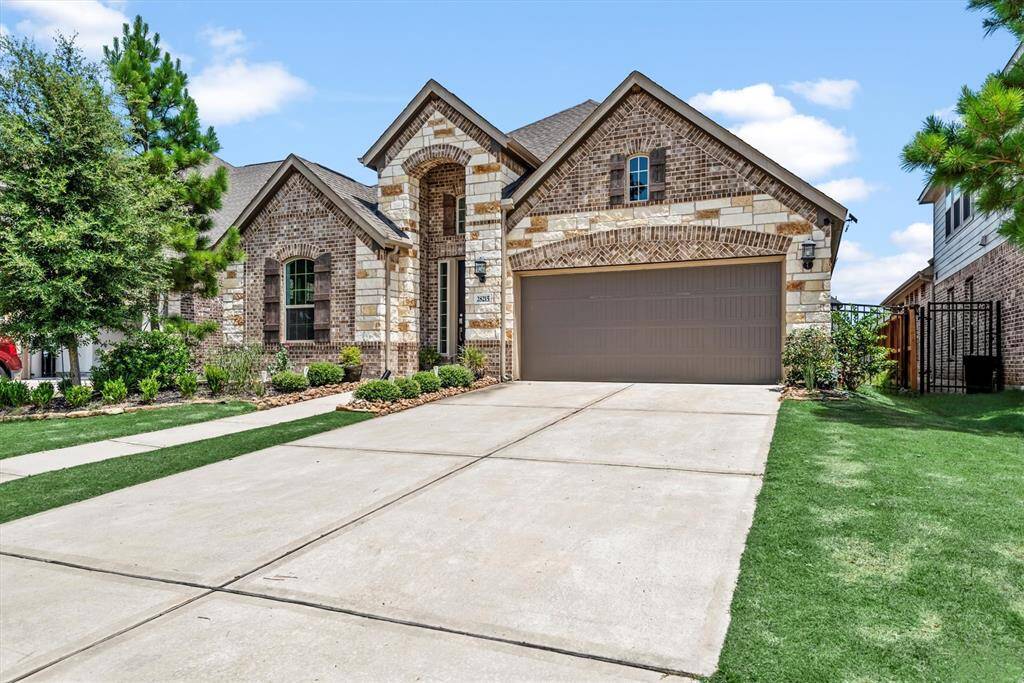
(166, 132)
(983, 152)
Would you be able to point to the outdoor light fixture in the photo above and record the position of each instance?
(480, 269)
(807, 253)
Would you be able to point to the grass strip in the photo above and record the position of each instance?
(27, 496)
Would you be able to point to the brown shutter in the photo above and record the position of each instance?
(322, 298)
(657, 188)
(271, 301)
(617, 179)
(449, 214)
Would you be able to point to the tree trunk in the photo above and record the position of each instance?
(154, 310)
(76, 372)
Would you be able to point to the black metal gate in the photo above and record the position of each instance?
(960, 347)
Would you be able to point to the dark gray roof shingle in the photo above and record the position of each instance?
(544, 136)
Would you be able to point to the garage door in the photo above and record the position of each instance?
(681, 324)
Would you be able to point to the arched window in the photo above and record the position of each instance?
(639, 185)
(298, 300)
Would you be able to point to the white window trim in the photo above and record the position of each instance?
(629, 178)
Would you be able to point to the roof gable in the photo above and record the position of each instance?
(433, 91)
(638, 81)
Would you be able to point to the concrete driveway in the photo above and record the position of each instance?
(526, 531)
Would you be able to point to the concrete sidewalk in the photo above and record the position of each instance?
(59, 458)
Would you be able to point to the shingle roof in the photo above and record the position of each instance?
(244, 182)
(544, 136)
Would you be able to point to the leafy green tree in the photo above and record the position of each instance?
(82, 243)
(166, 133)
(983, 152)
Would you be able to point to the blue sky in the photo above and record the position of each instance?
(831, 90)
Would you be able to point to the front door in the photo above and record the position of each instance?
(460, 302)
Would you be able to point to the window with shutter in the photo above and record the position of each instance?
(657, 188)
(448, 218)
(617, 179)
(322, 298)
(298, 300)
(271, 301)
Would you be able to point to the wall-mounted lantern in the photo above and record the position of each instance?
(480, 269)
(807, 253)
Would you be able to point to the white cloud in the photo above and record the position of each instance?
(862, 277)
(751, 103)
(806, 145)
(837, 94)
(234, 89)
(847, 189)
(225, 42)
(96, 23)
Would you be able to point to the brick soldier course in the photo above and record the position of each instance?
(548, 195)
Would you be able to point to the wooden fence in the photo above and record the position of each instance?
(900, 332)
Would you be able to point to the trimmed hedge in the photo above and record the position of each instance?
(409, 387)
(320, 374)
(455, 376)
(428, 381)
(289, 381)
(379, 390)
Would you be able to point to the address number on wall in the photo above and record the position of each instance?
(482, 299)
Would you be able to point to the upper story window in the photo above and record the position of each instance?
(958, 210)
(298, 300)
(460, 216)
(639, 179)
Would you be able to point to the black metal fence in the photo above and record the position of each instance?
(960, 347)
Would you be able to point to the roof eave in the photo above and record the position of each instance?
(637, 79)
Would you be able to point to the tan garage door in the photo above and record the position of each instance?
(684, 324)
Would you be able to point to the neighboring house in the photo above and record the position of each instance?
(631, 239)
(971, 261)
(915, 291)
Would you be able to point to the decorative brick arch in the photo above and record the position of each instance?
(651, 244)
(427, 158)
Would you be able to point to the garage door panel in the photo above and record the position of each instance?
(690, 324)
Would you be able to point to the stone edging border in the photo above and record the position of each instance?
(279, 400)
(113, 410)
(380, 408)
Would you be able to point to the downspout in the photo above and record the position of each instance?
(501, 297)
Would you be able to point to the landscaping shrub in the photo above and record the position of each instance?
(320, 374)
(350, 357)
(243, 364)
(379, 390)
(454, 376)
(114, 391)
(429, 357)
(191, 333)
(409, 387)
(78, 396)
(809, 352)
(474, 359)
(42, 395)
(141, 355)
(279, 363)
(216, 378)
(428, 381)
(289, 381)
(859, 351)
(14, 393)
(64, 384)
(149, 388)
(187, 384)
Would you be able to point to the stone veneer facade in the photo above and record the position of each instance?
(716, 205)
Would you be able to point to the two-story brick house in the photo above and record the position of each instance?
(631, 239)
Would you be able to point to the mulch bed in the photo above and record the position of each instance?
(382, 408)
(802, 394)
(277, 400)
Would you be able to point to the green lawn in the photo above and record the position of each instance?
(888, 544)
(22, 497)
(30, 436)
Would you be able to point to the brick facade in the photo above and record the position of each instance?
(444, 179)
(996, 276)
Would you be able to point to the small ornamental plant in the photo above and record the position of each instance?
(14, 393)
(78, 396)
(149, 388)
(429, 357)
(350, 357)
(409, 387)
(428, 381)
(289, 381)
(114, 391)
(216, 378)
(379, 390)
(187, 384)
(320, 374)
(474, 359)
(454, 376)
(42, 395)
